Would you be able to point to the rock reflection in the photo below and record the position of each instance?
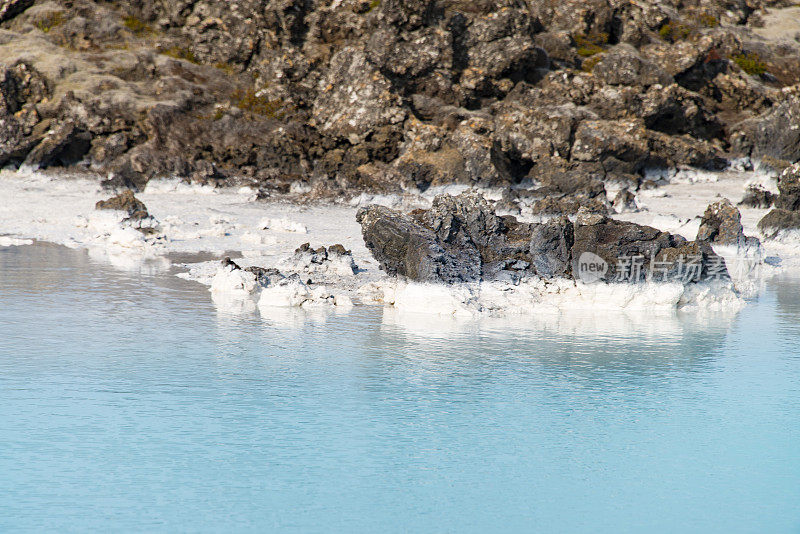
(594, 345)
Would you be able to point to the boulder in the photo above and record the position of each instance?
(789, 189)
(127, 202)
(757, 197)
(623, 143)
(551, 247)
(773, 134)
(633, 252)
(354, 98)
(778, 221)
(406, 248)
(624, 66)
(722, 224)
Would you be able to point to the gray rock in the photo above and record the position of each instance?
(406, 248)
(624, 66)
(551, 247)
(757, 197)
(722, 224)
(773, 134)
(621, 245)
(461, 239)
(354, 98)
(777, 221)
(789, 189)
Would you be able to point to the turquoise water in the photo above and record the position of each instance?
(128, 403)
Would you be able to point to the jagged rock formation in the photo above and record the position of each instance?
(462, 239)
(382, 95)
(722, 224)
(757, 197)
(786, 215)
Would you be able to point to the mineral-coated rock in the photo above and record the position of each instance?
(551, 247)
(758, 197)
(779, 220)
(634, 252)
(461, 239)
(789, 189)
(355, 98)
(722, 224)
(127, 202)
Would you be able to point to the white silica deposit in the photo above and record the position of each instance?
(283, 225)
(543, 295)
(191, 219)
(6, 241)
(240, 290)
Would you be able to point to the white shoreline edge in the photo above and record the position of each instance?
(197, 219)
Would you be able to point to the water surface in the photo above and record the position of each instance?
(127, 402)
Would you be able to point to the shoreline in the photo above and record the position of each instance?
(201, 223)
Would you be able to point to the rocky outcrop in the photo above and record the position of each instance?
(340, 97)
(786, 215)
(633, 252)
(406, 248)
(127, 202)
(773, 134)
(779, 221)
(789, 189)
(722, 225)
(757, 197)
(462, 239)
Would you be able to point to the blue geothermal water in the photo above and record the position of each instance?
(128, 403)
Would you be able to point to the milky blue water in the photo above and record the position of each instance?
(127, 403)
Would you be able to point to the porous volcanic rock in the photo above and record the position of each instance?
(462, 239)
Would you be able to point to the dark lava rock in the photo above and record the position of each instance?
(775, 133)
(625, 246)
(777, 221)
(551, 247)
(569, 205)
(461, 239)
(359, 95)
(264, 276)
(758, 197)
(65, 145)
(624, 66)
(406, 248)
(11, 8)
(722, 224)
(311, 258)
(786, 215)
(789, 189)
(127, 202)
